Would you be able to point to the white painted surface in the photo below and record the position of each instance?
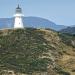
(18, 21)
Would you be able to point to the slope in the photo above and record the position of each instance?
(32, 50)
(70, 30)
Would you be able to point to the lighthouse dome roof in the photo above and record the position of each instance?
(18, 9)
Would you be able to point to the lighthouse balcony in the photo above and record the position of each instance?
(17, 15)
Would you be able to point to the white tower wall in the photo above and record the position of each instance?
(18, 22)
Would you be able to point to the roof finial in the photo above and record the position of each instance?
(18, 6)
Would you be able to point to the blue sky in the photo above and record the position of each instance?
(61, 12)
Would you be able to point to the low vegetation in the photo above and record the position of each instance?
(32, 50)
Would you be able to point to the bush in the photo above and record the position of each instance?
(65, 73)
(73, 70)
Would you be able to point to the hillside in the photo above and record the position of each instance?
(35, 22)
(70, 30)
(33, 51)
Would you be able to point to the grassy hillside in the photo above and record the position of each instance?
(37, 50)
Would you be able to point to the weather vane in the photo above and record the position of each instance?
(19, 2)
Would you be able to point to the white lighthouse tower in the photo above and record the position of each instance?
(18, 18)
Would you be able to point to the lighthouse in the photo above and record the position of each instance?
(18, 18)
